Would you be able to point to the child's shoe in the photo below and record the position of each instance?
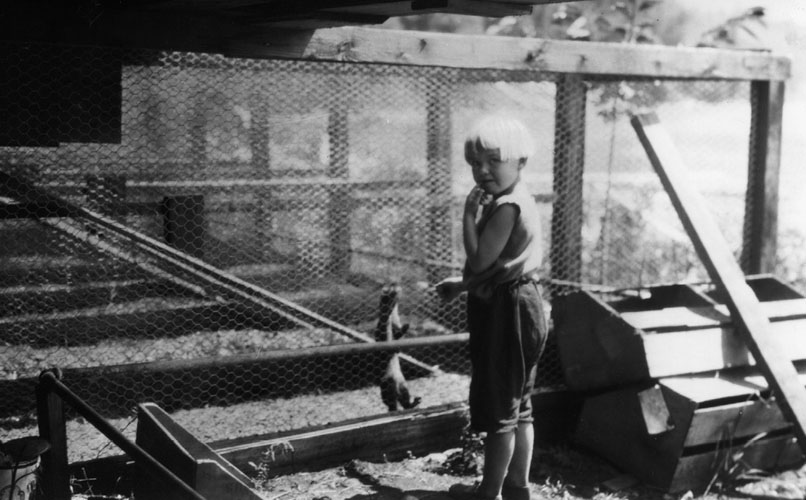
(468, 492)
(516, 493)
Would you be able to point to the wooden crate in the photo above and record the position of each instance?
(677, 434)
(666, 331)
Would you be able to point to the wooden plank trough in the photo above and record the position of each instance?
(684, 382)
(671, 394)
(675, 329)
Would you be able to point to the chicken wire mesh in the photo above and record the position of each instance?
(201, 260)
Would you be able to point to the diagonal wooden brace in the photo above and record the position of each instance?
(750, 321)
(218, 280)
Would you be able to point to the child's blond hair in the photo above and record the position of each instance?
(506, 134)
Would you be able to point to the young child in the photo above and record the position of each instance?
(505, 313)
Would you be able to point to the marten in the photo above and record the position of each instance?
(389, 327)
(394, 391)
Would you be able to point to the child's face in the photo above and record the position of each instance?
(491, 173)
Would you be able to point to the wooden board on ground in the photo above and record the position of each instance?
(386, 437)
(708, 422)
(192, 461)
(746, 313)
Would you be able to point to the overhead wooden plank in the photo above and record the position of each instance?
(381, 6)
(473, 7)
(377, 13)
(750, 320)
(286, 33)
(500, 52)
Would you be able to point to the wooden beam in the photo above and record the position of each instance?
(268, 36)
(55, 476)
(761, 201)
(211, 277)
(472, 7)
(499, 52)
(746, 313)
(385, 437)
(439, 125)
(274, 357)
(339, 206)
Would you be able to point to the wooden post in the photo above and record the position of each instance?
(761, 201)
(261, 169)
(746, 313)
(183, 223)
(438, 155)
(55, 475)
(339, 206)
(197, 130)
(569, 164)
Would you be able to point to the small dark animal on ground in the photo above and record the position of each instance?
(389, 326)
(394, 390)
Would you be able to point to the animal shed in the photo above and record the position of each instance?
(199, 190)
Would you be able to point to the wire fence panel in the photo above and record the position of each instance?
(224, 257)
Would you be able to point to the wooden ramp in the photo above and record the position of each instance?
(195, 463)
(752, 324)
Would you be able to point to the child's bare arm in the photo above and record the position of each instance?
(483, 249)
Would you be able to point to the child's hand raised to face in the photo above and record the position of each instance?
(476, 198)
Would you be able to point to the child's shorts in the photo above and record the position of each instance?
(507, 335)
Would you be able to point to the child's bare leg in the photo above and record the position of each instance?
(521, 463)
(498, 450)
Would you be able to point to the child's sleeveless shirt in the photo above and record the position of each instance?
(523, 252)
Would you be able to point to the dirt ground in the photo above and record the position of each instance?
(560, 473)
